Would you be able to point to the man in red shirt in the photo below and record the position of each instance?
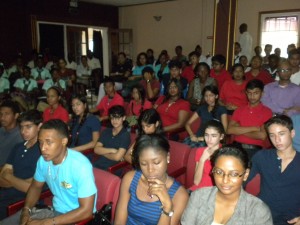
(188, 72)
(247, 122)
(111, 98)
(218, 72)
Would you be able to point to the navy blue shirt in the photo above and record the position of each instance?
(279, 190)
(24, 162)
(84, 134)
(206, 116)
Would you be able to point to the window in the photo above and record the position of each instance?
(280, 30)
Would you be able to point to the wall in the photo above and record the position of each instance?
(183, 22)
(15, 21)
(251, 15)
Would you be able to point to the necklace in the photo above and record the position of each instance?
(49, 168)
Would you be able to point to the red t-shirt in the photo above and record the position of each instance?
(263, 75)
(169, 113)
(154, 84)
(135, 109)
(106, 103)
(188, 73)
(234, 93)
(207, 179)
(248, 116)
(221, 77)
(59, 113)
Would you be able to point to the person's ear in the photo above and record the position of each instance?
(64, 141)
(246, 175)
(157, 124)
(39, 126)
(293, 133)
(124, 118)
(168, 158)
(17, 115)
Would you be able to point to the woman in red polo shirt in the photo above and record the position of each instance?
(173, 110)
(233, 94)
(257, 72)
(55, 109)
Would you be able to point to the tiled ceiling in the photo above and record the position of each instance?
(123, 2)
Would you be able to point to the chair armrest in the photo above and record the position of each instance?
(118, 166)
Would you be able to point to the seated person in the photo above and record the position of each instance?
(149, 83)
(232, 94)
(55, 80)
(65, 73)
(279, 171)
(111, 98)
(15, 71)
(10, 134)
(200, 80)
(227, 202)
(173, 110)
(4, 83)
(273, 65)
(294, 60)
(16, 174)
(71, 64)
(161, 67)
(179, 56)
(93, 62)
(83, 73)
(247, 122)
(257, 72)
(120, 73)
(55, 109)
(237, 52)
(267, 50)
(296, 139)
(114, 141)
(26, 90)
(210, 110)
(85, 127)
(149, 122)
(148, 195)
(214, 133)
(188, 73)
(40, 73)
(244, 61)
(218, 70)
(282, 96)
(175, 73)
(137, 105)
(74, 189)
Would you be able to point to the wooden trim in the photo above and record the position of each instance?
(33, 24)
(215, 27)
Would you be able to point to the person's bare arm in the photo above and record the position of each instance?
(90, 144)
(100, 150)
(117, 156)
(224, 121)
(259, 135)
(182, 118)
(188, 128)
(15, 182)
(128, 155)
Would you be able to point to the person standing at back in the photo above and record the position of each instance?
(245, 41)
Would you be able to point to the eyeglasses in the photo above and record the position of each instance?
(284, 70)
(232, 175)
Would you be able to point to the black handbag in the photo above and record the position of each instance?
(102, 216)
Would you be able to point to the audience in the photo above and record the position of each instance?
(232, 94)
(237, 53)
(179, 56)
(161, 68)
(214, 133)
(4, 83)
(65, 73)
(85, 127)
(148, 195)
(244, 61)
(149, 83)
(55, 109)
(209, 110)
(74, 189)
(111, 98)
(113, 141)
(55, 80)
(201, 80)
(40, 73)
(296, 124)
(9, 131)
(247, 122)
(272, 66)
(294, 60)
(245, 41)
(227, 202)
(282, 96)
(257, 72)
(92, 61)
(18, 170)
(149, 122)
(218, 71)
(267, 50)
(188, 73)
(279, 171)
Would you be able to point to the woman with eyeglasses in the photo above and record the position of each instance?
(227, 202)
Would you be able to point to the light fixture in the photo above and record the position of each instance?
(157, 18)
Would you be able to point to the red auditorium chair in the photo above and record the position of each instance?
(190, 169)
(253, 187)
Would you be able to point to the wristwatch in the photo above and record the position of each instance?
(148, 81)
(169, 214)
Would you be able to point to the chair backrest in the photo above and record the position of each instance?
(190, 169)
(179, 153)
(253, 187)
(108, 186)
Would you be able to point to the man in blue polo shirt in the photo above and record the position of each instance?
(16, 175)
(280, 172)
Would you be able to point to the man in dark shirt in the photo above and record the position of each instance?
(279, 170)
(16, 175)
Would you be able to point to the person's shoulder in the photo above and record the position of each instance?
(77, 157)
(264, 155)
(204, 193)
(255, 203)
(266, 109)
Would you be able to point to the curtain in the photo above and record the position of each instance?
(280, 24)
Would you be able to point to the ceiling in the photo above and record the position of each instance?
(120, 3)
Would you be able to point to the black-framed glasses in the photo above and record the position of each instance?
(233, 175)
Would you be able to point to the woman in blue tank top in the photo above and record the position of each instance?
(148, 195)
